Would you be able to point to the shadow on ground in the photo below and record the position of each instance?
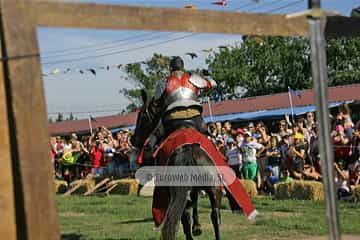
(71, 236)
(136, 221)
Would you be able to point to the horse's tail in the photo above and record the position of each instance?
(175, 210)
(178, 195)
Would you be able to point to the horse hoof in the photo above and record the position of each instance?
(196, 230)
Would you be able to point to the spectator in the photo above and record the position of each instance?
(233, 156)
(219, 128)
(227, 129)
(284, 148)
(314, 155)
(354, 174)
(97, 152)
(286, 176)
(342, 181)
(269, 181)
(213, 131)
(341, 145)
(300, 123)
(273, 153)
(355, 141)
(310, 121)
(297, 154)
(252, 130)
(250, 151)
(283, 129)
(239, 137)
(263, 137)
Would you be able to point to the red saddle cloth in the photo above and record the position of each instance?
(189, 136)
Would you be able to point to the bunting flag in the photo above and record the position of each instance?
(294, 92)
(92, 118)
(192, 55)
(220, 3)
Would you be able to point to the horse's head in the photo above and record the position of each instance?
(145, 123)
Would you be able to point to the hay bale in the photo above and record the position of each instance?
(283, 190)
(124, 186)
(356, 193)
(77, 187)
(91, 182)
(250, 187)
(301, 190)
(61, 186)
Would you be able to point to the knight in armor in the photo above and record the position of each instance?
(176, 102)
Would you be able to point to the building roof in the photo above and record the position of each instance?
(251, 104)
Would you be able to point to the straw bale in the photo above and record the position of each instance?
(124, 186)
(61, 186)
(301, 190)
(356, 193)
(78, 187)
(250, 187)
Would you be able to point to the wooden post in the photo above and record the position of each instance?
(7, 204)
(34, 196)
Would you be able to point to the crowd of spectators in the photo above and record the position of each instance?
(265, 153)
(289, 150)
(99, 154)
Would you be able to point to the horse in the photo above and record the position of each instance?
(179, 206)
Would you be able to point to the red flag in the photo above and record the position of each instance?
(221, 3)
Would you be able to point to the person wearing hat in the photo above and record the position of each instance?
(269, 180)
(233, 156)
(297, 154)
(239, 137)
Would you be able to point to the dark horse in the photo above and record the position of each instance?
(179, 206)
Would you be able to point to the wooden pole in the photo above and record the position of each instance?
(34, 197)
(7, 201)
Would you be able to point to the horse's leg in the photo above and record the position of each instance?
(196, 227)
(215, 212)
(186, 221)
(174, 212)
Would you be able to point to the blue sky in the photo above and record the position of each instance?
(99, 95)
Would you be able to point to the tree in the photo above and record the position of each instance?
(145, 75)
(59, 117)
(343, 61)
(263, 65)
(71, 117)
(268, 65)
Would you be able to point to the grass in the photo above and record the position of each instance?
(129, 217)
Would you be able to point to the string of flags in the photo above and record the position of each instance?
(94, 70)
(192, 55)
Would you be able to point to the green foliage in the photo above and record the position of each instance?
(343, 56)
(59, 118)
(71, 117)
(268, 65)
(265, 65)
(145, 75)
